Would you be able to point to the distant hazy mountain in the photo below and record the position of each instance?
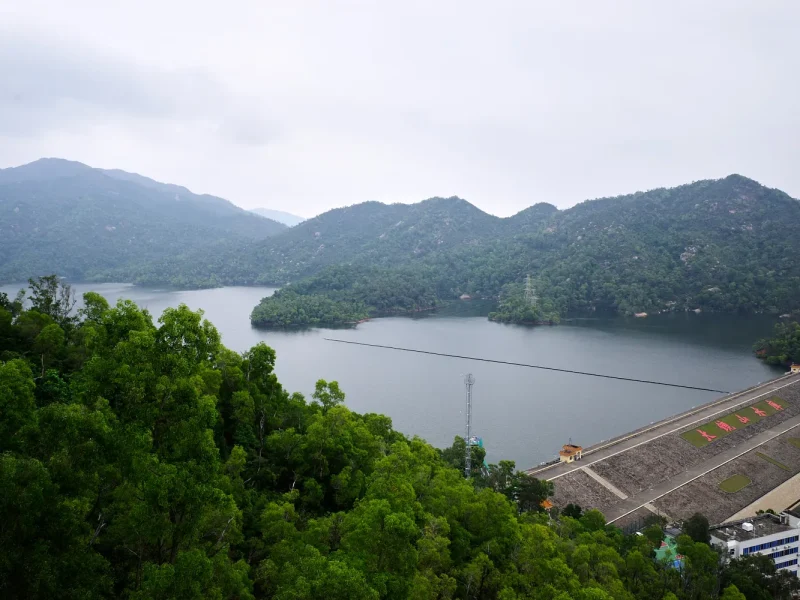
(279, 216)
(64, 217)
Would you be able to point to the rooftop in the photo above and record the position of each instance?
(570, 449)
(763, 525)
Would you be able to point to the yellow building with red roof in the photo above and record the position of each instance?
(570, 452)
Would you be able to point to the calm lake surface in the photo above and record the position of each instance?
(522, 414)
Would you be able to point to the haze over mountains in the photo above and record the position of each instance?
(279, 216)
(728, 244)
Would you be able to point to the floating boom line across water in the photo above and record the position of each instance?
(528, 366)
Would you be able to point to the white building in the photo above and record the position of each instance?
(777, 536)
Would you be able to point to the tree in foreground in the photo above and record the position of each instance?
(697, 528)
(150, 462)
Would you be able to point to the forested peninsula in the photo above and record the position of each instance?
(147, 461)
(341, 296)
(347, 295)
(783, 348)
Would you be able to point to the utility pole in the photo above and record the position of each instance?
(530, 292)
(469, 381)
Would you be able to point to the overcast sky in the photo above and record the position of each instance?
(305, 106)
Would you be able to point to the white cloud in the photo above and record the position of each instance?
(306, 106)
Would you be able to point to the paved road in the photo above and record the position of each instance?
(636, 501)
(666, 427)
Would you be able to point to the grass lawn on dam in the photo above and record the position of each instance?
(707, 433)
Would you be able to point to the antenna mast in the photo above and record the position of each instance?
(530, 292)
(469, 381)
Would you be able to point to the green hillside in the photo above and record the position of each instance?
(724, 245)
(373, 234)
(717, 245)
(783, 348)
(727, 245)
(65, 217)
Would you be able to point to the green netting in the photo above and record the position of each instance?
(669, 552)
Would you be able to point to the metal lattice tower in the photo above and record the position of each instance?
(469, 381)
(530, 292)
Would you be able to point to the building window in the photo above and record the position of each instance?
(780, 553)
(768, 545)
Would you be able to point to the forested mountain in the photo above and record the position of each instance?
(65, 217)
(375, 234)
(369, 234)
(279, 216)
(146, 461)
(724, 245)
(720, 245)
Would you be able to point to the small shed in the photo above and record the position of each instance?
(570, 452)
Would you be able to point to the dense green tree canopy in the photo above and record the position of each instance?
(144, 460)
(783, 348)
(697, 528)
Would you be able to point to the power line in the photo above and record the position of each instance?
(516, 364)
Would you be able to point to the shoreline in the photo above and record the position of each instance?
(528, 323)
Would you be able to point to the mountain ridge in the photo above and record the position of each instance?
(66, 217)
(726, 245)
(388, 235)
(718, 244)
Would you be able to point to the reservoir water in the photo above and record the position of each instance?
(522, 414)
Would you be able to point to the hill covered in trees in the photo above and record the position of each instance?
(347, 295)
(783, 348)
(146, 461)
(369, 234)
(726, 245)
(65, 217)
